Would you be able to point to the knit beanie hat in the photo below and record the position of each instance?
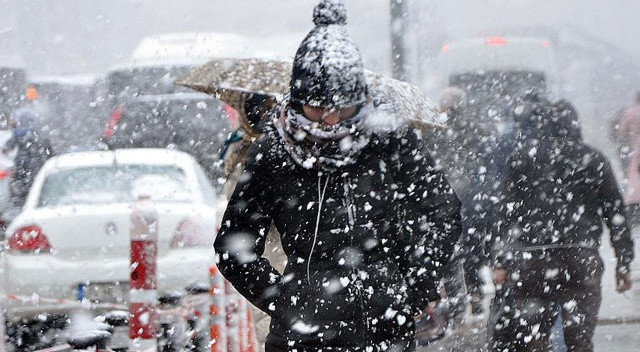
(327, 70)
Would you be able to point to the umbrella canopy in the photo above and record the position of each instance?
(402, 99)
(232, 80)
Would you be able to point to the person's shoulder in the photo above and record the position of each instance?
(406, 148)
(586, 155)
(394, 144)
(267, 151)
(262, 146)
(594, 154)
(404, 137)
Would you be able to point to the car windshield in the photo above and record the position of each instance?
(114, 184)
(489, 85)
(527, 55)
(197, 126)
(131, 82)
(159, 123)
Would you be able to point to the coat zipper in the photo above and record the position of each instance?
(321, 193)
(351, 213)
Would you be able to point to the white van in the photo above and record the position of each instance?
(194, 47)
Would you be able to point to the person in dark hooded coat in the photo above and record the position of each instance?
(366, 221)
(458, 149)
(530, 105)
(33, 150)
(557, 193)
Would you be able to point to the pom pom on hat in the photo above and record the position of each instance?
(329, 12)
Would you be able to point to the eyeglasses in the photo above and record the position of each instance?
(329, 116)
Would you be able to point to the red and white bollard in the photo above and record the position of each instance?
(233, 333)
(143, 296)
(217, 311)
(242, 322)
(252, 342)
(3, 337)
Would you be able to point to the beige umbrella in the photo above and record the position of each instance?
(399, 98)
(232, 80)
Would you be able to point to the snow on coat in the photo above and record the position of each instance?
(366, 244)
(557, 192)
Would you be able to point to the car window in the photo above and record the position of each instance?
(208, 192)
(131, 82)
(114, 184)
(198, 127)
(164, 122)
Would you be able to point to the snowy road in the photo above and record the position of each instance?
(619, 322)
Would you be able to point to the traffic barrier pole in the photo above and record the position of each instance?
(3, 333)
(173, 325)
(143, 295)
(3, 336)
(198, 298)
(217, 312)
(231, 300)
(119, 322)
(252, 341)
(242, 322)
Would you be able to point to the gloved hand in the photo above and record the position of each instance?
(623, 282)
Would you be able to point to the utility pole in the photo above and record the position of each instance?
(398, 45)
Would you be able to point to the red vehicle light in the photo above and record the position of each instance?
(189, 234)
(495, 41)
(445, 48)
(545, 44)
(29, 239)
(5, 174)
(232, 115)
(114, 119)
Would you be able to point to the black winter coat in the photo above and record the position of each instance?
(33, 150)
(365, 245)
(557, 192)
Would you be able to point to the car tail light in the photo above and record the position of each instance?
(29, 239)
(232, 115)
(545, 44)
(445, 48)
(114, 119)
(495, 41)
(189, 234)
(5, 174)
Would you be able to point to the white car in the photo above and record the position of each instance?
(71, 239)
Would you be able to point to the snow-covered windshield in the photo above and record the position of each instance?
(491, 94)
(498, 53)
(193, 123)
(145, 80)
(114, 184)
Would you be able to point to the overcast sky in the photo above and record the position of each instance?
(88, 36)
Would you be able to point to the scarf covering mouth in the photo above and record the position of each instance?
(313, 145)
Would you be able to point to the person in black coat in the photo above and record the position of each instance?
(557, 193)
(459, 149)
(366, 221)
(32, 151)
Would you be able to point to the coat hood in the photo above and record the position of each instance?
(26, 121)
(565, 121)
